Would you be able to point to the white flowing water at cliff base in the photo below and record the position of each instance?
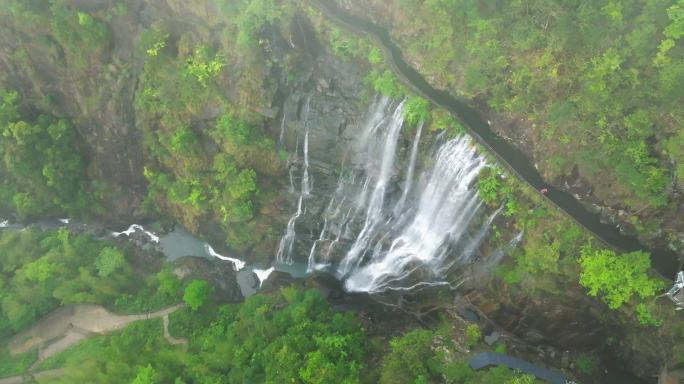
(436, 230)
(237, 263)
(137, 227)
(284, 253)
(263, 274)
(374, 211)
(409, 173)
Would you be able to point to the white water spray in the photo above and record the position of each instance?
(374, 211)
(445, 208)
(284, 254)
(409, 172)
(306, 184)
(137, 227)
(237, 263)
(281, 137)
(263, 274)
(383, 244)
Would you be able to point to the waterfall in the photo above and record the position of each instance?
(376, 235)
(306, 187)
(311, 264)
(445, 208)
(284, 254)
(409, 173)
(281, 137)
(374, 210)
(263, 274)
(494, 258)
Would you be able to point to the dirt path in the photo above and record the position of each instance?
(67, 326)
(172, 340)
(38, 375)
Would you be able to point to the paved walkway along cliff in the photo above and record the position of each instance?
(665, 262)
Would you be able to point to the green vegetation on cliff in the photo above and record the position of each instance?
(208, 167)
(199, 100)
(174, 90)
(617, 278)
(42, 172)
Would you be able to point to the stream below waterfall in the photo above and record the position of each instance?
(174, 245)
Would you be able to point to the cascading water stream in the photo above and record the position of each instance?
(281, 136)
(134, 228)
(306, 186)
(284, 253)
(409, 173)
(445, 208)
(374, 211)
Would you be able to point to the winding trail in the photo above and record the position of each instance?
(172, 340)
(31, 377)
(66, 326)
(665, 262)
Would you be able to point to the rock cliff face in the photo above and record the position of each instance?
(332, 108)
(220, 274)
(98, 100)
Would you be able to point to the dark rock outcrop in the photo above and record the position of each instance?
(220, 274)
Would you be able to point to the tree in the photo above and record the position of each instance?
(146, 375)
(473, 335)
(197, 293)
(109, 260)
(617, 278)
(411, 359)
(169, 283)
(522, 379)
(417, 110)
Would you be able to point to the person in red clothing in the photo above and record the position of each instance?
(544, 190)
